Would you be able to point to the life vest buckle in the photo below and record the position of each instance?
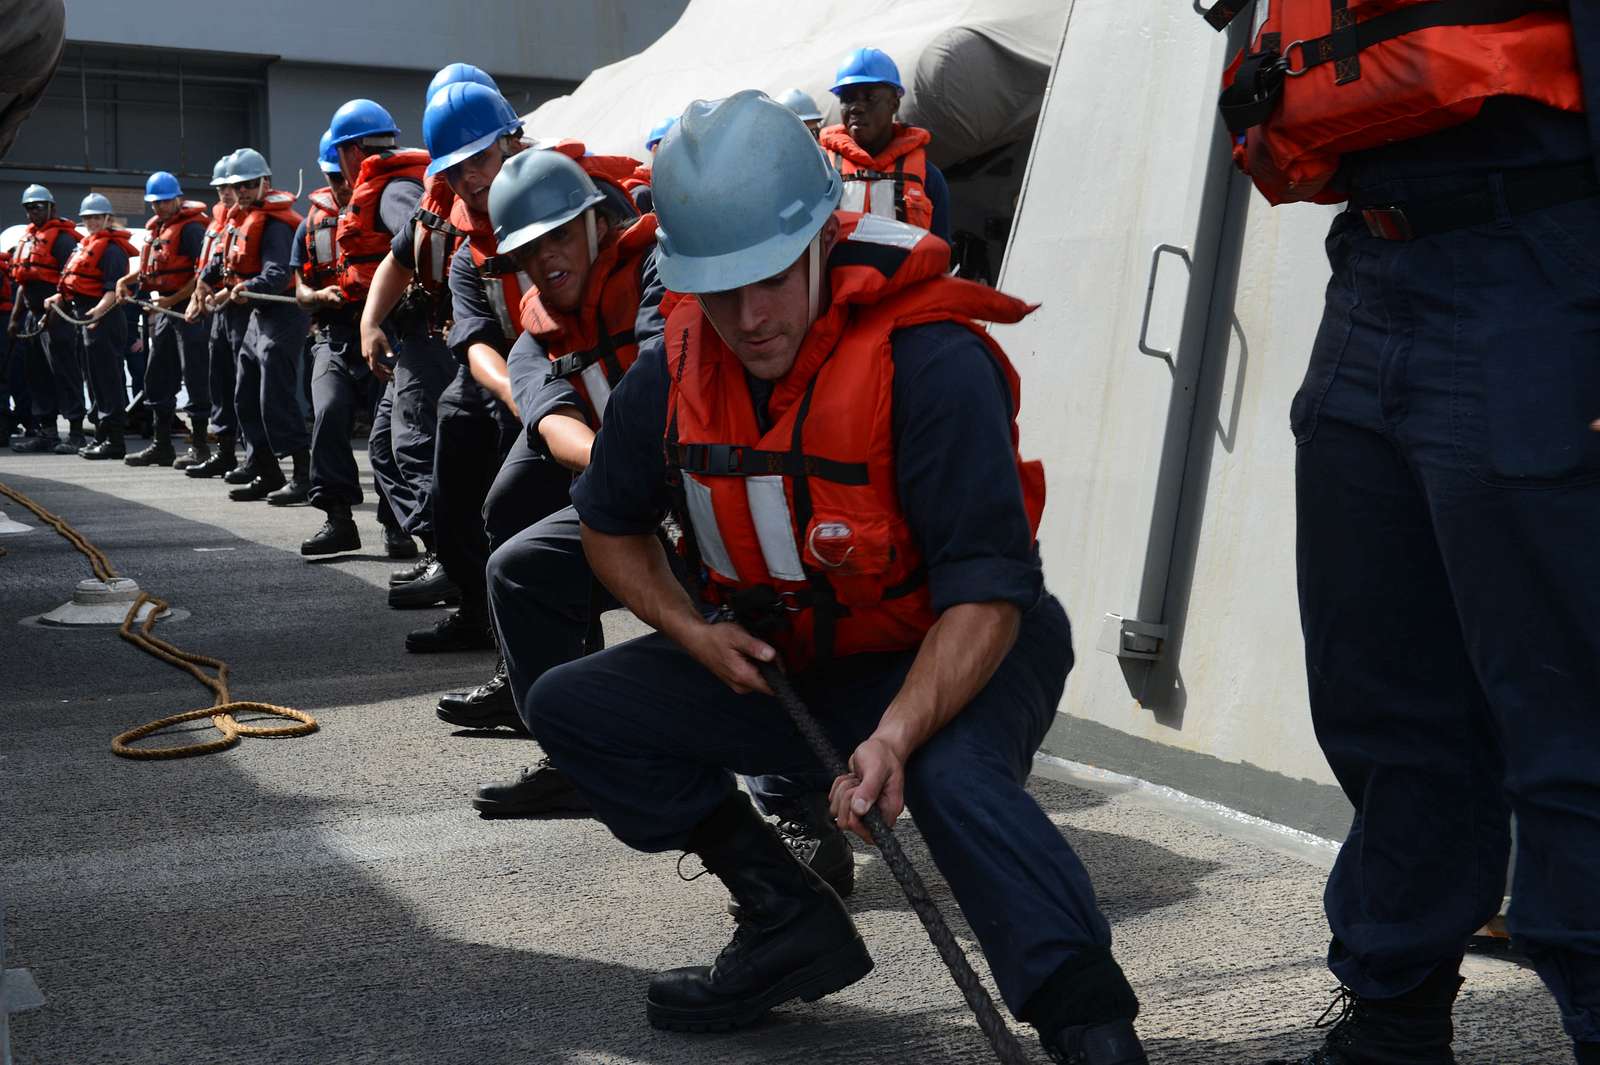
(1387, 223)
(1285, 61)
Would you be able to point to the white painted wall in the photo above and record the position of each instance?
(1112, 176)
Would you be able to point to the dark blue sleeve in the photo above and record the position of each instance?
(297, 247)
(398, 204)
(404, 245)
(952, 431)
(624, 490)
(650, 322)
(535, 392)
(192, 240)
(62, 247)
(644, 199)
(113, 264)
(939, 196)
(473, 318)
(1586, 30)
(274, 276)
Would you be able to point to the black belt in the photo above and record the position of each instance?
(1522, 191)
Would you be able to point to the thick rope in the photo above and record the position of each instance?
(151, 308)
(268, 297)
(222, 708)
(999, 1034)
(64, 316)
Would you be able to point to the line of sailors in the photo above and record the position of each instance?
(503, 292)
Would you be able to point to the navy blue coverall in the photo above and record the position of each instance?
(653, 739)
(104, 344)
(179, 349)
(55, 375)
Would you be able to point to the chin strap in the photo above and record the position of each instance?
(590, 232)
(813, 278)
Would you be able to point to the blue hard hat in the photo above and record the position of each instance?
(659, 130)
(867, 66)
(161, 186)
(219, 173)
(741, 191)
(459, 72)
(94, 203)
(356, 119)
(462, 120)
(328, 155)
(536, 192)
(36, 194)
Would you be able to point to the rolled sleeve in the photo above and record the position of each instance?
(952, 427)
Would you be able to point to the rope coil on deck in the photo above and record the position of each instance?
(223, 707)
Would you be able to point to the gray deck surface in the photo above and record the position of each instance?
(334, 898)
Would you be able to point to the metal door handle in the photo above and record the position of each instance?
(1150, 296)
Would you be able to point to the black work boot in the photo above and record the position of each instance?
(456, 631)
(114, 446)
(1084, 1012)
(806, 826)
(399, 545)
(538, 791)
(794, 939)
(1413, 1029)
(338, 533)
(298, 490)
(160, 452)
(99, 438)
(222, 461)
(1114, 1043)
(44, 443)
(432, 587)
(74, 442)
(268, 479)
(489, 705)
(199, 451)
(411, 573)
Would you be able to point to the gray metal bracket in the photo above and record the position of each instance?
(1140, 641)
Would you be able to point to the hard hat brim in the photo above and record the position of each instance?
(864, 79)
(698, 275)
(329, 168)
(395, 132)
(467, 151)
(518, 239)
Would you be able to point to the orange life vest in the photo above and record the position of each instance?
(34, 260)
(211, 250)
(319, 252)
(7, 300)
(640, 178)
(363, 244)
(1329, 77)
(808, 513)
(503, 281)
(435, 238)
(615, 170)
(164, 269)
(594, 346)
(243, 256)
(892, 183)
(83, 274)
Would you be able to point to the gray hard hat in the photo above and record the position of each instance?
(94, 203)
(219, 173)
(741, 189)
(36, 194)
(800, 102)
(536, 192)
(247, 164)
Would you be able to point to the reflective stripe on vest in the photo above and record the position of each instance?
(774, 521)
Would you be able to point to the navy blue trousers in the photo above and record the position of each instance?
(653, 740)
(178, 350)
(226, 336)
(14, 399)
(103, 345)
(339, 380)
(1448, 503)
(407, 423)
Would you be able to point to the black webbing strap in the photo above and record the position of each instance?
(437, 223)
(497, 266)
(604, 352)
(1223, 12)
(375, 257)
(677, 494)
(880, 257)
(736, 460)
(897, 175)
(825, 605)
(1258, 84)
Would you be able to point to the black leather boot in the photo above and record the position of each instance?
(456, 631)
(222, 461)
(99, 438)
(298, 490)
(42, 443)
(434, 586)
(1114, 1043)
(398, 544)
(806, 826)
(794, 939)
(411, 573)
(114, 446)
(540, 790)
(160, 452)
(268, 479)
(489, 705)
(338, 533)
(74, 442)
(199, 452)
(1414, 1029)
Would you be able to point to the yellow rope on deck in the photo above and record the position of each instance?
(222, 708)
